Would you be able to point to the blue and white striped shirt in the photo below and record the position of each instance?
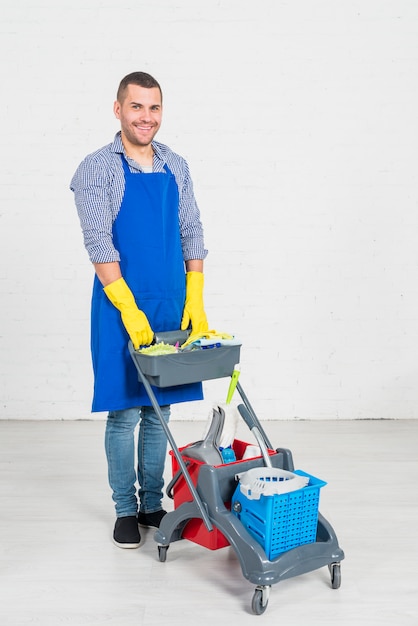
(99, 184)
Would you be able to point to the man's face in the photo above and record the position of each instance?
(140, 114)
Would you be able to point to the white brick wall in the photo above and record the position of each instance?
(299, 123)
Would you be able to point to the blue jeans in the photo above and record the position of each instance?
(151, 456)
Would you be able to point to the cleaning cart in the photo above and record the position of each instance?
(260, 506)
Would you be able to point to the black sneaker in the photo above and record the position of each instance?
(148, 520)
(126, 533)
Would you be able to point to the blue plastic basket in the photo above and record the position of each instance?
(281, 522)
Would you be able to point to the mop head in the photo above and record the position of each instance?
(232, 417)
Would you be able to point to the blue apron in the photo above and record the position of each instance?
(147, 235)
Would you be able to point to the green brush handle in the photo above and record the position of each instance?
(232, 385)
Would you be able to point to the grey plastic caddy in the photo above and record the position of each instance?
(181, 368)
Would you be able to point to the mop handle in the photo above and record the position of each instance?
(255, 419)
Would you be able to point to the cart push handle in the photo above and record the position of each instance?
(173, 445)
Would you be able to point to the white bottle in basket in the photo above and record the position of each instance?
(251, 452)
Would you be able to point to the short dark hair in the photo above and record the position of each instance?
(142, 79)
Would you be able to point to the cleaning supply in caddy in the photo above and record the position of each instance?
(158, 349)
(210, 337)
(207, 344)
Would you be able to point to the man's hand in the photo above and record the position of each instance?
(134, 320)
(194, 311)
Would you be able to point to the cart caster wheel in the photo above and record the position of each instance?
(162, 553)
(260, 600)
(335, 571)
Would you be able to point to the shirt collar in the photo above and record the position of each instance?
(117, 146)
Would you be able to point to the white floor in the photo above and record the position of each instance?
(59, 566)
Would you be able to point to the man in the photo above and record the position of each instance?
(142, 231)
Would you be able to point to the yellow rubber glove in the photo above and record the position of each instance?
(194, 311)
(134, 320)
